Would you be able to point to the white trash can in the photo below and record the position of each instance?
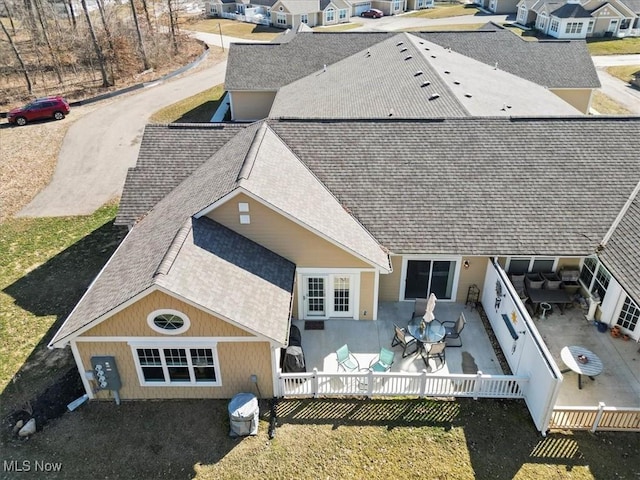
(243, 415)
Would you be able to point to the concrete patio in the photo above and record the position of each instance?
(365, 338)
(618, 385)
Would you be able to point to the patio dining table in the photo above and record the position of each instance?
(434, 331)
(591, 365)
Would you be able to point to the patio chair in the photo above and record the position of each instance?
(453, 330)
(346, 360)
(435, 350)
(419, 308)
(403, 339)
(383, 362)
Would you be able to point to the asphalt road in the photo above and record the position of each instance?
(100, 147)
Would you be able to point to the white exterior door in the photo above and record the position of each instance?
(315, 296)
(331, 295)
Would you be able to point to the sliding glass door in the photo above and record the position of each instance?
(424, 277)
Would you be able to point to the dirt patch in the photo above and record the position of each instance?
(504, 365)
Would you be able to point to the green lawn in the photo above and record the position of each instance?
(234, 28)
(45, 266)
(196, 109)
(443, 10)
(613, 46)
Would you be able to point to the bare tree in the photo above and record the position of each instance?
(10, 15)
(105, 25)
(145, 62)
(146, 14)
(173, 28)
(45, 33)
(17, 53)
(101, 60)
(72, 14)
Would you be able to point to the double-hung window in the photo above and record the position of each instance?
(281, 19)
(176, 365)
(330, 15)
(342, 14)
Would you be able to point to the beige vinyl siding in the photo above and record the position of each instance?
(237, 362)
(284, 237)
(367, 295)
(389, 284)
(568, 263)
(473, 275)
(250, 106)
(579, 98)
(132, 321)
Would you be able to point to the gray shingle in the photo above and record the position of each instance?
(476, 185)
(549, 63)
(168, 155)
(571, 10)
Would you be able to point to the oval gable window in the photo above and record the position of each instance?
(169, 322)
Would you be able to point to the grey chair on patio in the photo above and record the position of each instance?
(405, 340)
(435, 350)
(419, 308)
(453, 330)
(346, 360)
(383, 362)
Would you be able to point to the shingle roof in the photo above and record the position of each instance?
(383, 81)
(132, 268)
(633, 5)
(481, 186)
(226, 273)
(168, 155)
(621, 254)
(571, 10)
(297, 7)
(270, 66)
(549, 63)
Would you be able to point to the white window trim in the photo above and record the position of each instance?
(437, 258)
(591, 285)
(532, 259)
(167, 311)
(329, 274)
(149, 343)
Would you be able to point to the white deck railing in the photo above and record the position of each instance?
(323, 384)
(596, 418)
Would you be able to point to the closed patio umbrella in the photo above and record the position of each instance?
(431, 305)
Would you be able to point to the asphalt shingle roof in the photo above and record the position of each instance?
(549, 63)
(621, 254)
(571, 10)
(168, 155)
(383, 81)
(476, 186)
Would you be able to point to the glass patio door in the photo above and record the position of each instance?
(315, 296)
(429, 276)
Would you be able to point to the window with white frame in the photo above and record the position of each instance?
(520, 265)
(396, 5)
(168, 322)
(541, 21)
(629, 314)
(329, 295)
(522, 15)
(554, 25)
(304, 18)
(330, 15)
(281, 19)
(342, 14)
(574, 28)
(176, 365)
(590, 26)
(594, 277)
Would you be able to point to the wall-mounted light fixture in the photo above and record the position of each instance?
(466, 264)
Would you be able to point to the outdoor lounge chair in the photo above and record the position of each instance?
(346, 360)
(453, 330)
(435, 350)
(383, 362)
(403, 339)
(420, 308)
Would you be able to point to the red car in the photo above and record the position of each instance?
(373, 13)
(47, 107)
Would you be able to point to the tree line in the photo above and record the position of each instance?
(51, 43)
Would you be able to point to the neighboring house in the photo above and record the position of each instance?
(498, 6)
(390, 7)
(564, 68)
(254, 11)
(574, 19)
(292, 13)
(326, 218)
(420, 4)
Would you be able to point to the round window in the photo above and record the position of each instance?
(169, 322)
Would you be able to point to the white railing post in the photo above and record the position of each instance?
(369, 383)
(423, 383)
(596, 421)
(477, 388)
(314, 383)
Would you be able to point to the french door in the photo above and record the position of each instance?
(328, 296)
(424, 277)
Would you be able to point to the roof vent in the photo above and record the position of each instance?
(495, 67)
(433, 56)
(403, 49)
(391, 112)
(399, 43)
(324, 67)
(418, 73)
(421, 43)
(505, 107)
(456, 83)
(449, 49)
(434, 96)
(468, 95)
(426, 48)
(425, 84)
(447, 72)
(408, 58)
